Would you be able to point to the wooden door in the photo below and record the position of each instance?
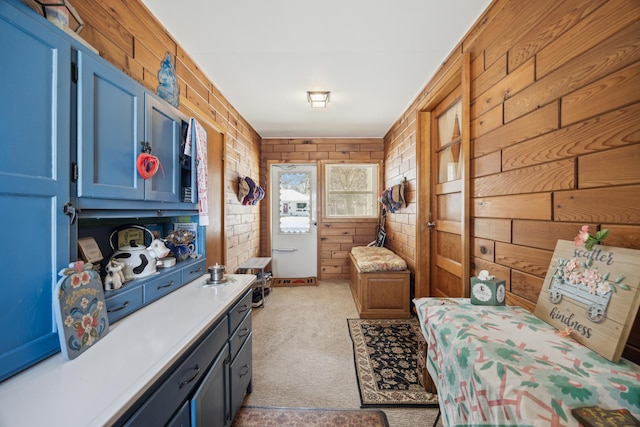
(445, 222)
(442, 251)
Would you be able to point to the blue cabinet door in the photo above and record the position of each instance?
(210, 403)
(162, 132)
(34, 184)
(110, 131)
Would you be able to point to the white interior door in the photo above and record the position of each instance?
(294, 230)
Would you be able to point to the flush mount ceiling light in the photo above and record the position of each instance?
(318, 99)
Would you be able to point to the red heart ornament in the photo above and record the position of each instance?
(147, 165)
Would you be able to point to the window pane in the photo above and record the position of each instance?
(351, 190)
(449, 152)
(295, 202)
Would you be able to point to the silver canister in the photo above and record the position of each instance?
(217, 274)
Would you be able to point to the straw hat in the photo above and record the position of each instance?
(243, 189)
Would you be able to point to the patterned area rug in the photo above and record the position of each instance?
(298, 281)
(386, 357)
(253, 416)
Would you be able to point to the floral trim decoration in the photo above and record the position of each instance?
(86, 324)
(590, 277)
(587, 239)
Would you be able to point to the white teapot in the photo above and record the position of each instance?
(140, 261)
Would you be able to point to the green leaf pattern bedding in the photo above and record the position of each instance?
(505, 366)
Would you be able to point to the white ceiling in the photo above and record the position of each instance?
(373, 55)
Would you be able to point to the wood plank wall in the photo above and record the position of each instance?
(127, 35)
(555, 134)
(336, 238)
(555, 128)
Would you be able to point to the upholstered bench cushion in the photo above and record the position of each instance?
(373, 258)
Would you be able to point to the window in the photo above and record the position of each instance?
(351, 190)
(295, 202)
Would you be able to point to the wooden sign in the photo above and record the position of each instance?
(593, 293)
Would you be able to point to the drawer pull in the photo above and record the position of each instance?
(195, 374)
(166, 286)
(197, 270)
(244, 308)
(245, 371)
(244, 333)
(122, 307)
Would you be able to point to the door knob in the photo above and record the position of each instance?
(431, 224)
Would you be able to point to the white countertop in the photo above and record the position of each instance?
(98, 386)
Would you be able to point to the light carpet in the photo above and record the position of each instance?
(303, 355)
(386, 359)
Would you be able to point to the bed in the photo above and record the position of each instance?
(504, 366)
(380, 283)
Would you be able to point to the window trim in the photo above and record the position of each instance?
(377, 185)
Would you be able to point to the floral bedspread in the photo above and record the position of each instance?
(374, 258)
(504, 366)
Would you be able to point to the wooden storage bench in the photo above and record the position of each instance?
(380, 283)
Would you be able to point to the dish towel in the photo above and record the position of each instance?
(199, 134)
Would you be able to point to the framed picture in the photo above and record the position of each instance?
(89, 250)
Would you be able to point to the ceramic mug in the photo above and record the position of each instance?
(182, 252)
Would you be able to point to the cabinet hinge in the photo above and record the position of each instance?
(74, 73)
(74, 172)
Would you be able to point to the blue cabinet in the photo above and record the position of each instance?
(140, 292)
(170, 395)
(210, 403)
(71, 129)
(212, 380)
(162, 133)
(110, 131)
(111, 138)
(34, 185)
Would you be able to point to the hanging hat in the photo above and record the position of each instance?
(253, 191)
(384, 199)
(260, 195)
(243, 189)
(396, 196)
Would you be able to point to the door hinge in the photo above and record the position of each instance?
(74, 172)
(74, 72)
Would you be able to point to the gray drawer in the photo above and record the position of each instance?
(240, 336)
(123, 303)
(237, 313)
(155, 288)
(158, 409)
(193, 271)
